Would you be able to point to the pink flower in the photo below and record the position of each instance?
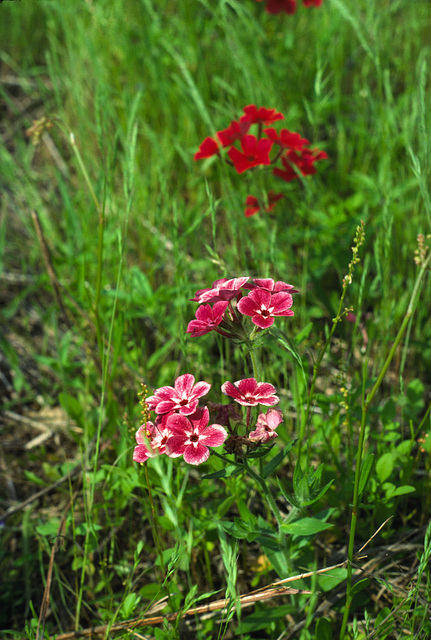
(235, 131)
(183, 398)
(263, 306)
(260, 115)
(207, 319)
(253, 205)
(223, 289)
(208, 148)
(249, 393)
(151, 439)
(270, 285)
(192, 436)
(266, 425)
(254, 152)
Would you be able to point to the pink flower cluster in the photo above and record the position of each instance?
(265, 300)
(247, 151)
(181, 428)
(288, 6)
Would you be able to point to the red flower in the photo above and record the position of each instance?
(208, 148)
(266, 425)
(207, 319)
(286, 138)
(304, 160)
(312, 3)
(250, 393)
(255, 152)
(260, 115)
(192, 436)
(235, 131)
(277, 6)
(263, 306)
(183, 398)
(253, 205)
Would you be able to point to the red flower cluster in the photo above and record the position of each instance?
(247, 151)
(288, 6)
(265, 301)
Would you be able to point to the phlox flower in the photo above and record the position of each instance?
(151, 439)
(270, 285)
(261, 115)
(304, 160)
(278, 6)
(263, 306)
(208, 148)
(286, 138)
(253, 205)
(235, 131)
(254, 152)
(266, 425)
(207, 319)
(222, 290)
(184, 397)
(250, 393)
(312, 3)
(191, 436)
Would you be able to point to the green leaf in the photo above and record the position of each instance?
(224, 507)
(366, 469)
(271, 466)
(305, 527)
(359, 586)
(303, 334)
(129, 604)
(34, 478)
(330, 580)
(402, 491)
(385, 466)
(323, 629)
(230, 470)
(261, 619)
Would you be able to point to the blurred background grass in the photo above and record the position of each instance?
(140, 84)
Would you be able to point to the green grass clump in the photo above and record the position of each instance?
(107, 229)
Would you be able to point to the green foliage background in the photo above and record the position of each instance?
(140, 84)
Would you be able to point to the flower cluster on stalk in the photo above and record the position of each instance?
(245, 151)
(181, 428)
(261, 299)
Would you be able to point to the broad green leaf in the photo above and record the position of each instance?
(384, 466)
(359, 586)
(305, 527)
(323, 629)
(402, 491)
(366, 469)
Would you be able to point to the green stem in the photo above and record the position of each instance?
(254, 364)
(365, 406)
(245, 466)
(270, 500)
